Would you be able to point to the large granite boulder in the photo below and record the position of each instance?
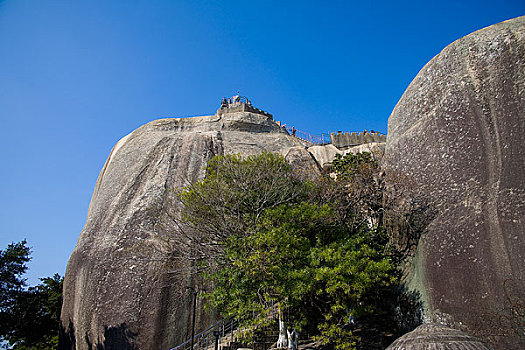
(458, 133)
(125, 284)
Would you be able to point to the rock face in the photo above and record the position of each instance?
(125, 288)
(458, 132)
(432, 336)
(325, 154)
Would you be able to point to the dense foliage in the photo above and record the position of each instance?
(232, 199)
(12, 266)
(29, 317)
(311, 248)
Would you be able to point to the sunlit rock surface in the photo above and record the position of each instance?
(458, 132)
(325, 154)
(119, 293)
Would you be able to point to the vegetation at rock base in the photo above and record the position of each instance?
(29, 317)
(269, 237)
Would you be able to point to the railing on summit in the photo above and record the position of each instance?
(322, 139)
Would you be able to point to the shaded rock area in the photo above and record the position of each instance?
(458, 133)
(125, 285)
(431, 336)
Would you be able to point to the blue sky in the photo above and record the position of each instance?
(76, 76)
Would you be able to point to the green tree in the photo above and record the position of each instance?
(306, 246)
(12, 266)
(29, 317)
(232, 199)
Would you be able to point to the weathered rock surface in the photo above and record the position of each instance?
(325, 154)
(432, 336)
(119, 291)
(459, 132)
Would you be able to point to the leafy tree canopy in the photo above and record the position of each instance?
(29, 317)
(352, 164)
(12, 266)
(307, 247)
(233, 197)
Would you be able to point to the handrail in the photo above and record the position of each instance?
(322, 139)
(226, 325)
(197, 335)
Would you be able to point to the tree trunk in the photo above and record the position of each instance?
(282, 342)
(293, 339)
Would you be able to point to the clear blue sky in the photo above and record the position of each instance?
(76, 76)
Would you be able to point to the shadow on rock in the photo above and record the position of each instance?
(398, 311)
(66, 337)
(117, 338)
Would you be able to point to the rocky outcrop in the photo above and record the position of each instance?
(325, 154)
(458, 133)
(125, 286)
(431, 336)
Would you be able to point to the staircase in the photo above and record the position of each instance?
(225, 332)
(265, 338)
(221, 332)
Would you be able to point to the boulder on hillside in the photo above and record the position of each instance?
(126, 285)
(458, 133)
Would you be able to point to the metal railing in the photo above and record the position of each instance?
(220, 332)
(206, 339)
(310, 139)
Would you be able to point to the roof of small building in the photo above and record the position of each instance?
(432, 336)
